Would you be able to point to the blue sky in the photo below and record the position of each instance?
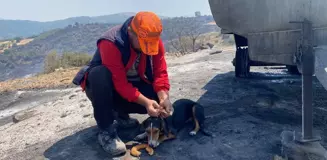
(48, 10)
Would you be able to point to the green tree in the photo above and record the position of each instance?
(18, 39)
(6, 52)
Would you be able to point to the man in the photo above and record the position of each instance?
(127, 74)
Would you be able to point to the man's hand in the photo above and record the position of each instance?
(165, 103)
(153, 108)
(167, 108)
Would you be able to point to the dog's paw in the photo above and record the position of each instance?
(137, 138)
(140, 137)
(192, 133)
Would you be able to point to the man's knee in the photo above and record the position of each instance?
(100, 75)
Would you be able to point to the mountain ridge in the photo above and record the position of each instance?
(13, 28)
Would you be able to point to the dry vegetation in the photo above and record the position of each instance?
(186, 45)
(25, 41)
(216, 38)
(189, 34)
(59, 70)
(54, 61)
(4, 45)
(61, 77)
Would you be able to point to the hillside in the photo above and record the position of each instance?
(12, 28)
(28, 59)
(79, 38)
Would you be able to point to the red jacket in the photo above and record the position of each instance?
(111, 58)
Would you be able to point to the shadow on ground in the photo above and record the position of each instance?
(246, 116)
(83, 145)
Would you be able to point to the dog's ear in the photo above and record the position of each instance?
(145, 124)
(164, 126)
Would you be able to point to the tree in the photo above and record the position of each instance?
(2, 46)
(197, 14)
(174, 29)
(6, 52)
(18, 39)
(193, 30)
(183, 33)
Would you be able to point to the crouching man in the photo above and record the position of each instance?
(127, 74)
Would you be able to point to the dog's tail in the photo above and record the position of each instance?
(206, 132)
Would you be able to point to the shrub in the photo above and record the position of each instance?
(6, 52)
(66, 60)
(74, 59)
(51, 62)
(18, 39)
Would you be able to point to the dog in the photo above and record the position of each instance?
(158, 129)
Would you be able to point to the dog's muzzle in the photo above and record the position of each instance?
(152, 143)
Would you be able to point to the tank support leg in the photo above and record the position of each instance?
(308, 63)
(304, 145)
(307, 129)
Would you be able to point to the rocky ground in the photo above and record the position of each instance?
(247, 116)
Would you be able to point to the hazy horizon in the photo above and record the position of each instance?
(37, 10)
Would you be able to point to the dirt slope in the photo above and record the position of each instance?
(246, 115)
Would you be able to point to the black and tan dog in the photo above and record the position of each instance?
(157, 130)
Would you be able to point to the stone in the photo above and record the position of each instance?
(59, 69)
(86, 115)
(276, 157)
(84, 100)
(65, 79)
(63, 115)
(202, 47)
(291, 82)
(72, 96)
(41, 158)
(23, 115)
(215, 52)
(210, 45)
(265, 102)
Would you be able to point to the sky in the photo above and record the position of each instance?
(49, 10)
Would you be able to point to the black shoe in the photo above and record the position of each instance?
(110, 141)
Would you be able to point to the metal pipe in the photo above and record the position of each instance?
(307, 72)
(307, 107)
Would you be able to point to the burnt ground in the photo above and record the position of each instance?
(247, 116)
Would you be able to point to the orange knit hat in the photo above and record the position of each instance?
(148, 28)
